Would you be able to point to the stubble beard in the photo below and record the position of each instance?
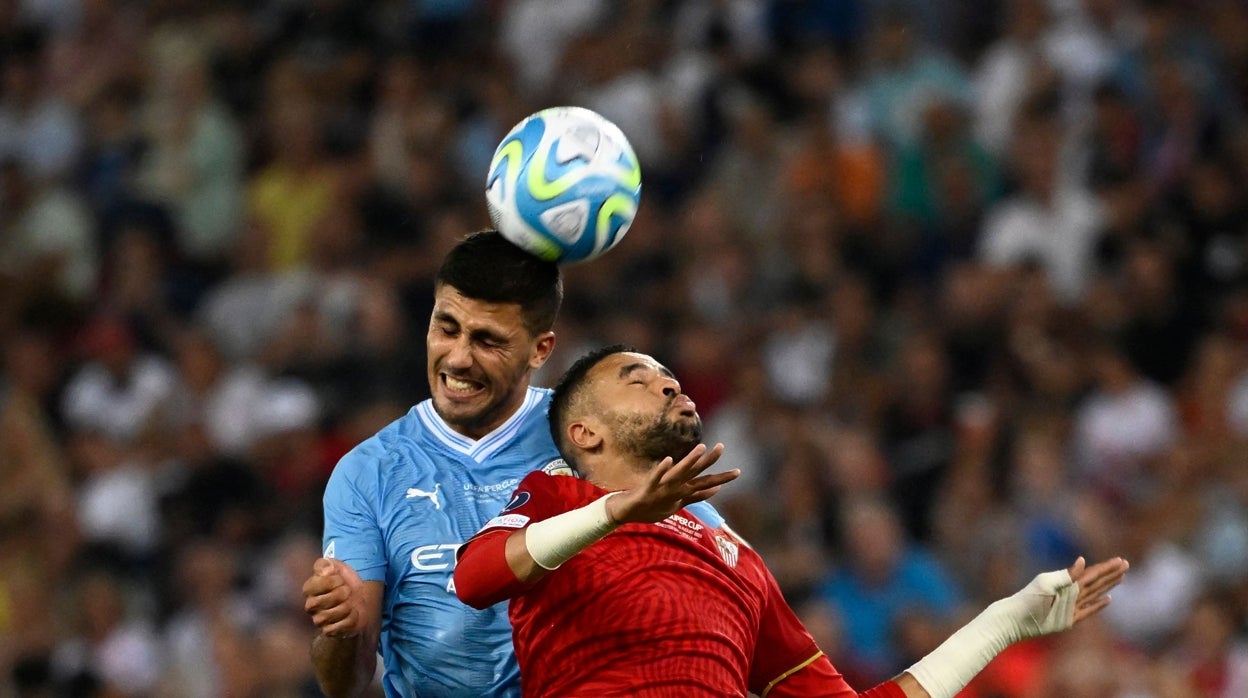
(652, 440)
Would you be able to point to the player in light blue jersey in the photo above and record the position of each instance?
(400, 503)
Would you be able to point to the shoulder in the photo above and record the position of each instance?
(557, 484)
(538, 480)
(377, 453)
(536, 409)
(560, 468)
(542, 394)
(540, 496)
(707, 513)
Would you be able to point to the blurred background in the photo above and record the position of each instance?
(962, 285)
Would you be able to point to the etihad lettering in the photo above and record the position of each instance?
(435, 557)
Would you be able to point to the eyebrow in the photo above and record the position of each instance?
(443, 316)
(639, 366)
(480, 333)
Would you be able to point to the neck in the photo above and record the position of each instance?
(614, 472)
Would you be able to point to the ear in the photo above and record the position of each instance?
(585, 434)
(542, 346)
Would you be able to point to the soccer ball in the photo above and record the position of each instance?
(564, 184)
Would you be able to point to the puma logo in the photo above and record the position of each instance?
(431, 496)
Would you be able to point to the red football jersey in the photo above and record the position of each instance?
(673, 608)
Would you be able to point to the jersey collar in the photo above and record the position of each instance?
(478, 449)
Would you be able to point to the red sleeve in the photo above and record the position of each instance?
(820, 678)
(482, 575)
(788, 664)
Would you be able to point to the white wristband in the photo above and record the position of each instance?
(1046, 605)
(552, 542)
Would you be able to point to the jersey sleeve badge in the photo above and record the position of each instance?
(559, 466)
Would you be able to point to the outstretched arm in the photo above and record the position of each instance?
(1051, 603)
(493, 567)
(347, 610)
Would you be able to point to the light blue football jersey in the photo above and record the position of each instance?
(396, 508)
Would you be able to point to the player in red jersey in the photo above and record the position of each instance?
(618, 589)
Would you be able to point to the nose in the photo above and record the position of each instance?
(669, 386)
(458, 355)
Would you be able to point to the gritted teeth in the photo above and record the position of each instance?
(455, 383)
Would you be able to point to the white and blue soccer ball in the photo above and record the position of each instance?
(564, 184)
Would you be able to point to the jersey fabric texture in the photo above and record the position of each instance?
(397, 507)
(674, 608)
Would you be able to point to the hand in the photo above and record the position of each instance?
(334, 598)
(669, 487)
(1094, 584)
(1054, 601)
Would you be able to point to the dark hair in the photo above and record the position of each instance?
(486, 266)
(568, 391)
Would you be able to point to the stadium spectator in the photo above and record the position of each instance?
(1145, 102)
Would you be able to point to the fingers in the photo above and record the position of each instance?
(319, 584)
(694, 463)
(1076, 570)
(329, 613)
(1108, 572)
(660, 473)
(1100, 578)
(320, 591)
(328, 572)
(323, 566)
(671, 485)
(703, 488)
(327, 593)
(346, 626)
(330, 607)
(700, 496)
(1087, 611)
(1095, 582)
(685, 468)
(713, 480)
(1115, 565)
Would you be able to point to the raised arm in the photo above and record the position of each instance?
(499, 564)
(347, 610)
(1052, 602)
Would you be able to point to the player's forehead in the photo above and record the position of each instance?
(450, 304)
(619, 367)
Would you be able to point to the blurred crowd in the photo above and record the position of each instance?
(961, 285)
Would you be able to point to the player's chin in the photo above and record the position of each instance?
(458, 407)
(689, 423)
(461, 408)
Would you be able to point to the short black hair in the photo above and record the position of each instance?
(486, 266)
(568, 389)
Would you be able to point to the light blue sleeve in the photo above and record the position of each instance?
(706, 511)
(352, 501)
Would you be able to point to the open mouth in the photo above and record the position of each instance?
(458, 386)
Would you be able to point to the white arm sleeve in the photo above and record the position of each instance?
(1046, 605)
(552, 542)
